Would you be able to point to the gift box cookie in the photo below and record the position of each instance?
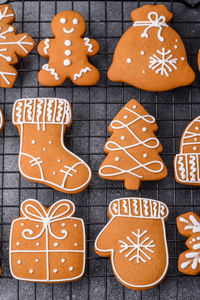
(187, 161)
(135, 240)
(47, 245)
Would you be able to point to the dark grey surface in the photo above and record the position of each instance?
(93, 109)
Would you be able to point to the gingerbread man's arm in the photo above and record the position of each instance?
(44, 46)
(91, 45)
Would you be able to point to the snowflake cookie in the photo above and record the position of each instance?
(187, 161)
(133, 149)
(135, 241)
(12, 45)
(68, 52)
(189, 261)
(47, 245)
(43, 157)
(151, 55)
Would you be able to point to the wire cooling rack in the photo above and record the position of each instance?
(93, 109)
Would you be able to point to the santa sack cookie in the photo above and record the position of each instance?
(151, 55)
(189, 261)
(43, 157)
(47, 245)
(135, 240)
(68, 52)
(187, 162)
(133, 149)
(12, 45)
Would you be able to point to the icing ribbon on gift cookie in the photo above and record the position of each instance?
(154, 21)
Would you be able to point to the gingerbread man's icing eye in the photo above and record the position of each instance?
(63, 20)
(75, 21)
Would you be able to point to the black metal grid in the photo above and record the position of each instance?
(93, 109)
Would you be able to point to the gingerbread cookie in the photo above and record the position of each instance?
(47, 245)
(135, 240)
(198, 59)
(1, 120)
(68, 52)
(189, 261)
(186, 163)
(12, 45)
(133, 149)
(43, 157)
(151, 55)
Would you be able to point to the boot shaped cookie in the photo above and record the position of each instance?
(189, 261)
(135, 240)
(43, 158)
(68, 52)
(133, 149)
(12, 45)
(47, 245)
(187, 162)
(151, 55)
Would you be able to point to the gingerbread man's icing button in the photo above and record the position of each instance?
(68, 52)
(68, 43)
(67, 62)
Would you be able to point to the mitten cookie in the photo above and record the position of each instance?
(47, 245)
(189, 261)
(12, 45)
(186, 163)
(68, 52)
(43, 158)
(151, 55)
(135, 240)
(133, 149)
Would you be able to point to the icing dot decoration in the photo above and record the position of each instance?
(117, 158)
(67, 62)
(68, 52)
(63, 224)
(17, 243)
(195, 139)
(44, 149)
(37, 244)
(36, 260)
(194, 148)
(63, 20)
(75, 21)
(122, 137)
(134, 106)
(59, 160)
(182, 58)
(37, 226)
(145, 155)
(68, 43)
(22, 224)
(50, 142)
(125, 117)
(75, 244)
(144, 129)
(54, 173)
(56, 244)
(75, 225)
(175, 47)
(196, 128)
(143, 72)
(129, 60)
(19, 262)
(33, 142)
(142, 52)
(55, 270)
(31, 271)
(71, 268)
(62, 260)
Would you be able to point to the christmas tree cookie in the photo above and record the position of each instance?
(43, 158)
(47, 245)
(133, 149)
(135, 241)
(151, 55)
(187, 162)
(12, 45)
(189, 261)
(68, 52)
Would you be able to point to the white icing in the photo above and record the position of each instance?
(71, 268)
(44, 149)
(3, 14)
(50, 142)
(88, 44)
(17, 243)
(51, 70)
(54, 173)
(151, 143)
(63, 224)
(75, 21)
(82, 71)
(37, 244)
(182, 58)
(22, 224)
(46, 42)
(68, 31)
(192, 167)
(63, 20)
(55, 270)
(33, 142)
(117, 158)
(68, 43)
(75, 225)
(129, 60)
(181, 167)
(75, 244)
(56, 244)
(68, 52)
(154, 21)
(37, 226)
(122, 137)
(192, 223)
(144, 129)
(145, 155)
(143, 72)
(37, 213)
(59, 160)
(196, 128)
(125, 117)
(164, 63)
(175, 47)
(67, 62)
(19, 262)
(142, 52)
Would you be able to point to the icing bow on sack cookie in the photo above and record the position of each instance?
(151, 55)
(47, 245)
(189, 261)
(135, 240)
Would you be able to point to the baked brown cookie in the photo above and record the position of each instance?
(12, 45)
(135, 241)
(133, 149)
(68, 52)
(47, 245)
(151, 55)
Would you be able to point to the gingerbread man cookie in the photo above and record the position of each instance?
(43, 157)
(68, 52)
(133, 149)
(186, 163)
(135, 240)
(151, 55)
(47, 245)
(12, 45)
(189, 261)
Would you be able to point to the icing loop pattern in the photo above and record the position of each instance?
(154, 21)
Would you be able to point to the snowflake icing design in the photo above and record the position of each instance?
(139, 249)
(164, 63)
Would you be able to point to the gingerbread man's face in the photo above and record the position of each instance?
(68, 23)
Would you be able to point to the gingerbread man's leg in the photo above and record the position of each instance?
(48, 76)
(85, 75)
